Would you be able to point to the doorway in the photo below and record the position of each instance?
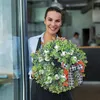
(85, 33)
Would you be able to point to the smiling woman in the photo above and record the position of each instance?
(53, 22)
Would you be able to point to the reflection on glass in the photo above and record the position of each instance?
(5, 38)
(9, 51)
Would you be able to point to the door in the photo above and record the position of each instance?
(85, 37)
(13, 71)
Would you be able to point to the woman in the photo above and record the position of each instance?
(53, 23)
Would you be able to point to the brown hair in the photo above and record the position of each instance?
(53, 9)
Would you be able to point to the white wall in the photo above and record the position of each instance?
(97, 28)
(79, 21)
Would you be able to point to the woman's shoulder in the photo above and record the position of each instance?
(35, 37)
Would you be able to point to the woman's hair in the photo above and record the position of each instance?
(53, 9)
(57, 10)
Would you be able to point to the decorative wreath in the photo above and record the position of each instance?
(59, 66)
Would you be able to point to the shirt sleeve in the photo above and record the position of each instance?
(30, 59)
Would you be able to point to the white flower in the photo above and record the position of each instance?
(40, 59)
(52, 63)
(63, 76)
(56, 47)
(46, 82)
(63, 53)
(68, 53)
(57, 77)
(72, 51)
(47, 58)
(66, 66)
(49, 79)
(46, 51)
(41, 71)
(75, 58)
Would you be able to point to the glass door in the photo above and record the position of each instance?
(13, 50)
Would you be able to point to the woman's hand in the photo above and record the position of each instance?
(32, 75)
(62, 38)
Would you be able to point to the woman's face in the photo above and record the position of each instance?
(53, 22)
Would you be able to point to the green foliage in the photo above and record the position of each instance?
(51, 76)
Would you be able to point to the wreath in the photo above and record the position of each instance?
(59, 66)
